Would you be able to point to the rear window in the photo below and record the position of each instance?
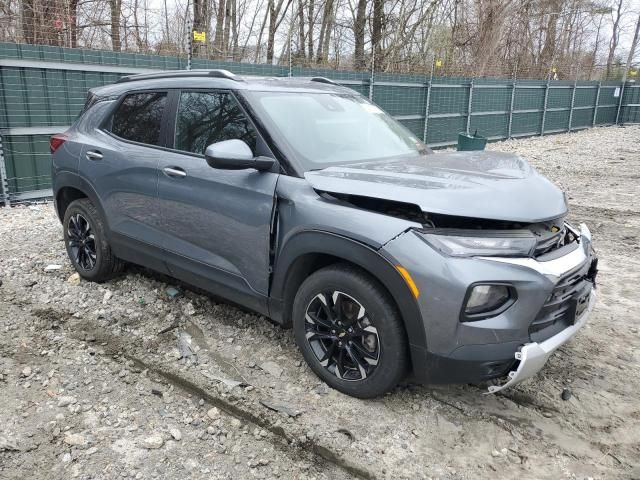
(139, 117)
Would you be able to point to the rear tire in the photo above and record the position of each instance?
(349, 331)
(87, 244)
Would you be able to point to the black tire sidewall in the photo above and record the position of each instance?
(83, 207)
(381, 312)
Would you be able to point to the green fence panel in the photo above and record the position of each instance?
(490, 126)
(556, 121)
(559, 97)
(34, 97)
(442, 130)
(585, 97)
(528, 98)
(400, 100)
(527, 123)
(491, 99)
(582, 118)
(445, 100)
(28, 162)
(14, 95)
(606, 115)
(630, 112)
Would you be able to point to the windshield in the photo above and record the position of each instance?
(325, 129)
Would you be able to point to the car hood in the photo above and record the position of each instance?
(489, 185)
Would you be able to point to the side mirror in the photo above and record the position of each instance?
(235, 155)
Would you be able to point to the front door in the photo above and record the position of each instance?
(216, 223)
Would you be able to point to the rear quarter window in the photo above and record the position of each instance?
(139, 117)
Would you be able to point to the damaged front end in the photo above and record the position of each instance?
(500, 278)
(498, 297)
(534, 239)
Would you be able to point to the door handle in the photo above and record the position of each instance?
(174, 172)
(93, 155)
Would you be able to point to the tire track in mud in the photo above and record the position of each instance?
(122, 351)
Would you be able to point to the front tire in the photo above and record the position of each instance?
(87, 244)
(350, 332)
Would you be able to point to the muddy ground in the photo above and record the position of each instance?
(90, 387)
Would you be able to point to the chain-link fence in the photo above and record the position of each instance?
(42, 89)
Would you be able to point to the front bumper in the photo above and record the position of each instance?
(456, 351)
(533, 356)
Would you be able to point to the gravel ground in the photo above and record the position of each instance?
(132, 379)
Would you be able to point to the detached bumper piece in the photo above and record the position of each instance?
(532, 356)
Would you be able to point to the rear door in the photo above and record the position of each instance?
(121, 163)
(216, 223)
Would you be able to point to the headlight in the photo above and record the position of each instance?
(502, 244)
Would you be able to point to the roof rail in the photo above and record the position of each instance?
(323, 80)
(217, 73)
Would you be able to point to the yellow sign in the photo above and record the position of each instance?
(438, 63)
(633, 73)
(199, 36)
(554, 69)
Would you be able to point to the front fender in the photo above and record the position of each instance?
(291, 268)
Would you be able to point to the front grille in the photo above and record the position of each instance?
(559, 310)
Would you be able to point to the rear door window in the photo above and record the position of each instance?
(139, 117)
(208, 117)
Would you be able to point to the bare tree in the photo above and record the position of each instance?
(116, 6)
(615, 34)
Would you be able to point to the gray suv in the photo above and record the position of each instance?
(301, 200)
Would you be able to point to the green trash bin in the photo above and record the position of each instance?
(467, 142)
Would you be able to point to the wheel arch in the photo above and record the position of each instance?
(70, 187)
(64, 197)
(308, 251)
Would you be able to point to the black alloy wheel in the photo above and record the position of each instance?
(87, 244)
(82, 242)
(349, 331)
(341, 336)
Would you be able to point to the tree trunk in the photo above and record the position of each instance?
(234, 29)
(136, 27)
(549, 50)
(301, 49)
(73, 23)
(166, 22)
(376, 29)
(260, 34)
(358, 33)
(28, 19)
(492, 17)
(613, 44)
(327, 36)
(218, 41)
(227, 28)
(325, 32)
(274, 23)
(115, 25)
(310, 13)
(271, 33)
